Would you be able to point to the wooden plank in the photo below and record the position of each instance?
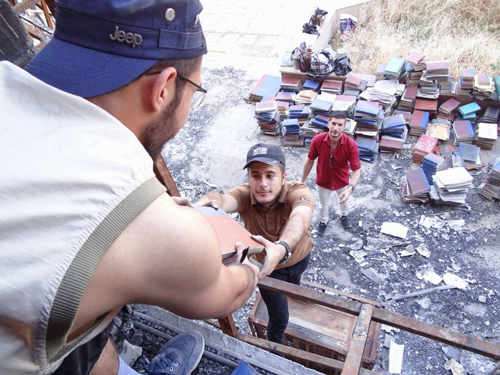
(341, 293)
(46, 12)
(23, 6)
(227, 326)
(357, 343)
(163, 175)
(297, 353)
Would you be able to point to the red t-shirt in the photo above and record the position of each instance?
(345, 156)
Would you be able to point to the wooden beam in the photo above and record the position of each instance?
(228, 327)
(24, 5)
(46, 12)
(163, 175)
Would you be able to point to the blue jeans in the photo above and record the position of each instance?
(277, 303)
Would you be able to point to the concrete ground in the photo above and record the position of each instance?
(246, 40)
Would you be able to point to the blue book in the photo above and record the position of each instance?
(471, 116)
(310, 84)
(396, 121)
(367, 108)
(395, 65)
(468, 152)
(469, 108)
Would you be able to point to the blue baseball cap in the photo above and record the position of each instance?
(101, 45)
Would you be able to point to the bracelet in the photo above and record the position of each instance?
(353, 186)
(288, 251)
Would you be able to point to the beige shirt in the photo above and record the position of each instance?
(270, 223)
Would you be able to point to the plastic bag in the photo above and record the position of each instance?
(342, 65)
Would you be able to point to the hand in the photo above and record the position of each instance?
(344, 196)
(208, 203)
(239, 249)
(274, 253)
(182, 201)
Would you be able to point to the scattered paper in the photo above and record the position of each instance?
(422, 250)
(394, 229)
(430, 276)
(359, 256)
(455, 367)
(409, 251)
(396, 358)
(457, 282)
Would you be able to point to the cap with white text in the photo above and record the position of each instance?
(265, 153)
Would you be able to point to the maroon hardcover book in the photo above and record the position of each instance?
(427, 105)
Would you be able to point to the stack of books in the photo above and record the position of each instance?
(367, 148)
(311, 84)
(299, 112)
(469, 111)
(431, 164)
(466, 82)
(395, 69)
(350, 127)
(427, 105)
(407, 102)
(394, 126)
(416, 187)
(309, 130)
(490, 187)
(291, 131)
(451, 186)
(418, 64)
(418, 123)
(491, 115)
(439, 128)
(369, 118)
(463, 132)
(380, 72)
(425, 145)
(354, 85)
(406, 115)
(283, 109)
(448, 109)
(283, 96)
(344, 103)
(439, 71)
(486, 135)
(291, 84)
(305, 97)
(484, 87)
(469, 154)
(332, 87)
(268, 117)
(267, 86)
(385, 92)
(320, 121)
(320, 107)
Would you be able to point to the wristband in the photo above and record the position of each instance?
(288, 251)
(352, 186)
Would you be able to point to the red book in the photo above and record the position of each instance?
(415, 58)
(410, 93)
(428, 105)
(352, 80)
(449, 105)
(425, 144)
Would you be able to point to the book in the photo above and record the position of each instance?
(427, 105)
(267, 86)
(425, 145)
(469, 109)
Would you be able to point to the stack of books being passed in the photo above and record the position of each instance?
(448, 109)
(451, 186)
(484, 87)
(418, 63)
(353, 85)
(425, 145)
(418, 123)
(466, 82)
(469, 111)
(291, 84)
(299, 112)
(463, 131)
(367, 148)
(395, 69)
(431, 164)
(469, 154)
(416, 187)
(291, 131)
(439, 128)
(332, 87)
(268, 117)
(267, 86)
(490, 187)
(486, 135)
(407, 102)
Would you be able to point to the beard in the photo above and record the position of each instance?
(156, 133)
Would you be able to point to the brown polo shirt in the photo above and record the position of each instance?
(270, 223)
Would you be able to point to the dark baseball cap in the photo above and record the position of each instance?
(99, 46)
(265, 153)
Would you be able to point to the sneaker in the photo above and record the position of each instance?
(345, 222)
(321, 228)
(179, 356)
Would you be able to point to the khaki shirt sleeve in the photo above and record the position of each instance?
(301, 196)
(242, 196)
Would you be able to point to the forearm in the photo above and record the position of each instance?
(212, 196)
(307, 169)
(355, 177)
(244, 280)
(297, 226)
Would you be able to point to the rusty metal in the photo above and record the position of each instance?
(297, 353)
(228, 327)
(163, 175)
(357, 343)
(341, 293)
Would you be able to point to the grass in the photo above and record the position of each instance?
(464, 32)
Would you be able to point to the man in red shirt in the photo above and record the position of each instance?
(337, 154)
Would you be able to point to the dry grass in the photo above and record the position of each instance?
(464, 32)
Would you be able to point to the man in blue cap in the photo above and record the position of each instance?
(85, 227)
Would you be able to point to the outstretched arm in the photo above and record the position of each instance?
(217, 200)
(307, 169)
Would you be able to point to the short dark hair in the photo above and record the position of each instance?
(338, 114)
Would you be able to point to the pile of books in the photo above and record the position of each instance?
(385, 92)
(311, 84)
(469, 154)
(418, 66)
(407, 102)
(469, 111)
(491, 115)
(393, 133)
(395, 69)
(350, 127)
(282, 109)
(416, 187)
(431, 164)
(354, 85)
(268, 117)
(484, 87)
(466, 82)
(320, 121)
(451, 186)
(486, 135)
(367, 148)
(448, 109)
(418, 123)
(267, 86)
(283, 96)
(291, 131)
(406, 115)
(309, 130)
(291, 84)
(439, 71)
(490, 187)
(463, 132)
(320, 107)
(439, 128)
(344, 103)
(425, 145)
(299, 112)
(427, 105)
(369, 117)
(332, 87)
(305, 97)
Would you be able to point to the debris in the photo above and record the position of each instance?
(424, 303)
(389, 329)
(422, 250)
(396, 167)
(396, 358)
(420, 292)
(457, 282)
(410, 250)
(452, 352)
(374, 276)
(130, 352)
(455, 367)
(430, 276)
(394, 229)
(359, 256)
(482, 299)
(387, 341)
(456, 225)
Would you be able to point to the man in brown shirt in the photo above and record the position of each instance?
(278, 213)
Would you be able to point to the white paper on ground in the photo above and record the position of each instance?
(457, 282)
(396, 358)
(394, 229)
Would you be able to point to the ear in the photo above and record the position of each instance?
(283, 182)
(163, 89)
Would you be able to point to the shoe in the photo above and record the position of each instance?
(321, 228)
(179, 356)
(345, 222)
